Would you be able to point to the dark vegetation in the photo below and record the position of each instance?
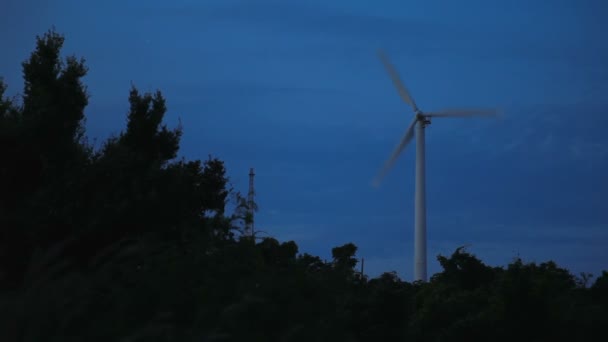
(128, 243)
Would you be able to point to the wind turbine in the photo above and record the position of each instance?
(420, 121)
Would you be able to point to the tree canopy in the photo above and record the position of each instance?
(129, 243)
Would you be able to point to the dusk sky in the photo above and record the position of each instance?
(295, 90)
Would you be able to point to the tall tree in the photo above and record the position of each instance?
(42, 152)
(54, 99)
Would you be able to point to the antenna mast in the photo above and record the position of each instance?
(250, 204)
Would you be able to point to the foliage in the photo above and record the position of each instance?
(127, 243)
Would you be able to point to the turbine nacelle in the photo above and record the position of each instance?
(422, 118)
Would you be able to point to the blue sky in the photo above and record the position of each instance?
(295, 90)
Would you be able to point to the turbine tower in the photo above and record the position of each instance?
(250, 204)
(419, 123)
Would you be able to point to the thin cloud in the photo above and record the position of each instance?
(581, 149)
(428, 37)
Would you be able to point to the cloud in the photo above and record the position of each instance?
(273, 212)
(546, 143)
(580, 233)
(580, 149)
(360, 30)
(290, 17)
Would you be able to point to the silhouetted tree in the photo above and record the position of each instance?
(42, 152)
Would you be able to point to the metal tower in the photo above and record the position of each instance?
(250, 205)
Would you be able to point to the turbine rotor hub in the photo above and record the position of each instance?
(422, 118)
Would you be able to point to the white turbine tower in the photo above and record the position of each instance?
(420, 121)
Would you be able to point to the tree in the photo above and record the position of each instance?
(43, 153)
(54, 100)
(456, 304)
(464, 270)
(599, 289)
(152, 141)
(344, 256)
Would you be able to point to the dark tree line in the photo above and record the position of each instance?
(129, 243)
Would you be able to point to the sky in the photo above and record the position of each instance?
(295, 90)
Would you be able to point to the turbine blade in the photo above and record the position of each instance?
(407, 137)
(403, 92)
(462, 113)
